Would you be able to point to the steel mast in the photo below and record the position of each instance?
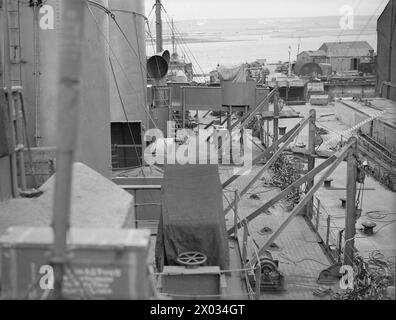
(158, 23)
(72, 38)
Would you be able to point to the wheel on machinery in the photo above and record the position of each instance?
(191, 258)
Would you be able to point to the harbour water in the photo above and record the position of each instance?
(230, 42)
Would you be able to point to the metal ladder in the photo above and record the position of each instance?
(14, 32)
(15, 94)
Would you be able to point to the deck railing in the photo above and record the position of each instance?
(250, 271)
(329, 233)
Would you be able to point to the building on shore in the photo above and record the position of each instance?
(347, 56)
(318, 56)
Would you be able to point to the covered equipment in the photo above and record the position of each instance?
(192, 216)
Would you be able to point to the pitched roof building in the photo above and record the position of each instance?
(347, 49)
(318, 56)
(347, 56)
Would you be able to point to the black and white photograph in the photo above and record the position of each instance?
(199, 155)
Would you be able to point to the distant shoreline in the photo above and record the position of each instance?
(269, 18)
(197, 40)
(252, 29)
(293, 35)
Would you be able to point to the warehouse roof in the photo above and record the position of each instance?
(316, 53)
(346, 49)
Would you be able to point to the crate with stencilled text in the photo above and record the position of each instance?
(101, 263)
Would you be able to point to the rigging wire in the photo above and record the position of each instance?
(151, 11)
(125, 114)
(182, 47)
(140, 59)
(365, 27)
(128, 80)
(175, 30)
(188, 48)
(184, 52)
(150, 36)
(343, 29)
(128, 41)
(111, 15)
(120, 65)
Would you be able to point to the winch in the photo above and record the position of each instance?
(271, 278)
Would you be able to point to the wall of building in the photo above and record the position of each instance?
(303, 56)
(320, 59)
(340, 64)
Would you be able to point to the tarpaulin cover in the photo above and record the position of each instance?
(192, 216)
(236, 74)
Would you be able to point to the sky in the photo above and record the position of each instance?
(233, 9)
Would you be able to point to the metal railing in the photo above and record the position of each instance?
(324, 225)
(250, 271)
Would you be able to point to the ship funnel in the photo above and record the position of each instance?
(157, 65)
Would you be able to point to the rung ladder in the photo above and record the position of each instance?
(14, 32)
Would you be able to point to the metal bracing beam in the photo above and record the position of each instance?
(285, 192)
(350, 217)
(276, 116)
(209, 124)
(340, 157)
(260, 147)
(244, 120)
(271, 160)
(311, 159)
(206, 114)
(262, 155)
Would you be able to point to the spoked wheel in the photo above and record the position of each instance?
(191, 259)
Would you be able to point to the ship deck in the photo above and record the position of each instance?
(298, 248)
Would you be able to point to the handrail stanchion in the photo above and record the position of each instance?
(317, 215)
(328, 231)
(236, 214)
(244, 245)
(258, 281)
